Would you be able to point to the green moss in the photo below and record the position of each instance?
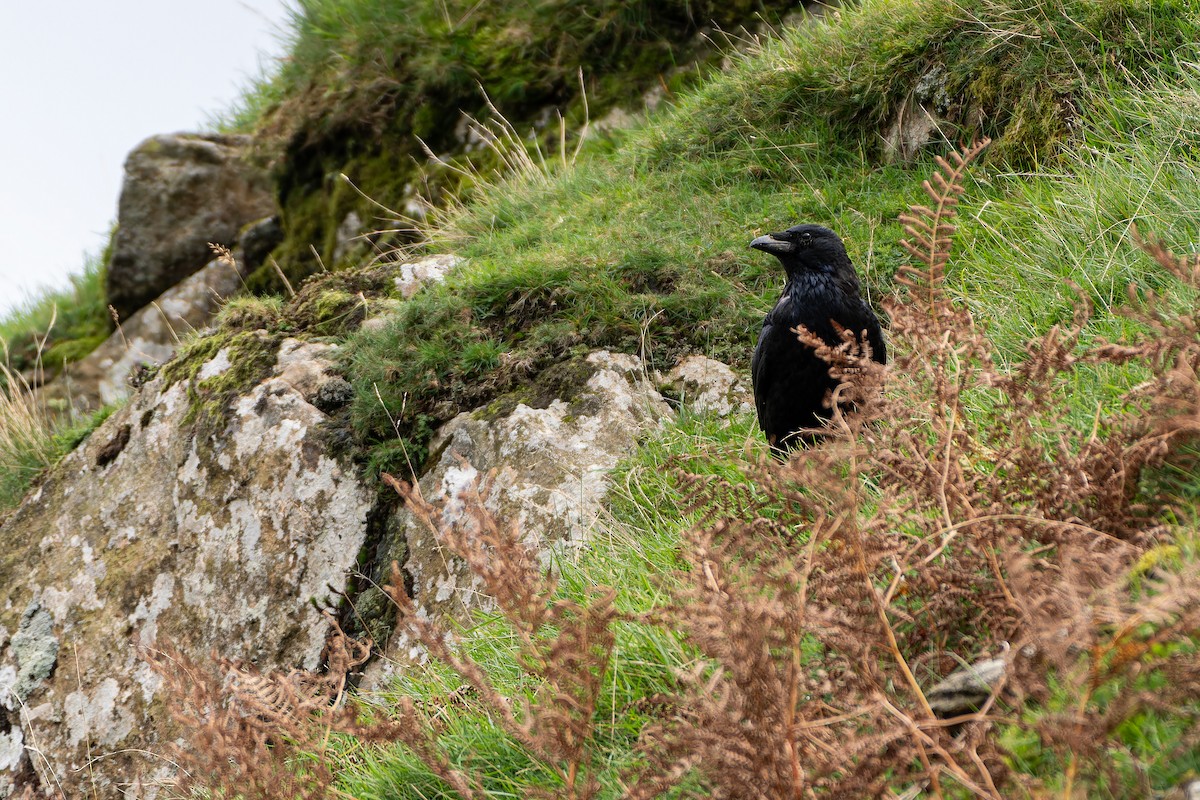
(335, 303)
(249, 312)
(373, 615)
(562, 381)
(303, 217)
(250, 356)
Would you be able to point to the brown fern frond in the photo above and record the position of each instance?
(231, 750)
(564, 645)
(931, 229)
(1185, 268)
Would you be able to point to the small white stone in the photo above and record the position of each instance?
(215, 366)
(432, 269)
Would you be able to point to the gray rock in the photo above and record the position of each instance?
(431, 269)
(12, 754)
(181, 192)
(708, 386)
(257, 241)
(932, 90)
(212, 542)
(921, 118)
(551, 469)
(349, 238)
(411, 277)
(149, 337)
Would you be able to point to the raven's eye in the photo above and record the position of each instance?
(805, 238)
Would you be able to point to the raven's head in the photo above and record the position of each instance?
(809, 248)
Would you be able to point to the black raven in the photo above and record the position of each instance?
(790, 380)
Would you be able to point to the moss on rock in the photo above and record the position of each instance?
(218, 368)
(563, 381)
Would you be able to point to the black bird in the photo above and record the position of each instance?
(790, 379)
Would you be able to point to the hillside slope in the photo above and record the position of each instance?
(1017, 491)
(1092, 108)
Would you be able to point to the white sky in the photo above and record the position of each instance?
(81, 83)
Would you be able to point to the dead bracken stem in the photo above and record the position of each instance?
(930, 228)
(116, 318)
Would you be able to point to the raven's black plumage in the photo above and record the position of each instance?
(790, 380)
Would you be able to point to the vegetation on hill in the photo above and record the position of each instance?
(58, 326)
(365, 83)
(372, 86)
(645, 249)
(1029, 469)
(35, 341)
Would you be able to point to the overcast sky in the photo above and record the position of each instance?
(81, 83)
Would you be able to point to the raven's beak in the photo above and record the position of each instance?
(769, 244)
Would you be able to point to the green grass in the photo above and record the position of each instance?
(1019, 73)
(57, 326)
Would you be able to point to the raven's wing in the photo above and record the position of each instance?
(875, 337)
(867, 321)
(765, 366)
(758, 373)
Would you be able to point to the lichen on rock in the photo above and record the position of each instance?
(212, 537)
(549, 469)
(431, 269)
(35, 649)
(707, 386)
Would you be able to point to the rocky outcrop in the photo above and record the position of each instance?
(181, 193)
(149, 337)
(707, 386)
(160, 528)
(550, 462)
(209, 513)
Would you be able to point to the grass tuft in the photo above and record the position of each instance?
(59, 326)
(32, 437)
